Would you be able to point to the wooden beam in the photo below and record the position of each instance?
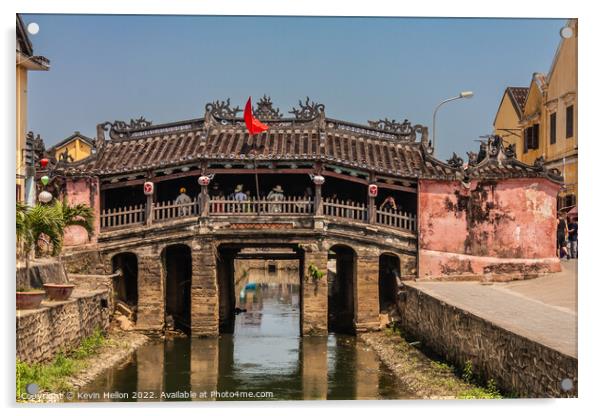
(267, 256)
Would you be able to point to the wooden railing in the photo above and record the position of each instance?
(123, 216)
(356, 211)
(168, 210)
(396, 219)
(290, 205)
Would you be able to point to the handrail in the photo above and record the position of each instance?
(115, 218)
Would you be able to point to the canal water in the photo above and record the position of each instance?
(264, 359)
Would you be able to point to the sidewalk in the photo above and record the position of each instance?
(542, 309)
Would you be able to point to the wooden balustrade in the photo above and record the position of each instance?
(289, 205)
(122, 216)
(168, 210)
(396, 219)
(356, 211)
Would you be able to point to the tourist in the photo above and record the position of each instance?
(240, 197)
(276, 194)
(388, 204)
(573, 229)
(185, 200)
(561, 234)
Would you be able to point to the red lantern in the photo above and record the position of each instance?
(43, 162)
(373, 190)
(149, 188)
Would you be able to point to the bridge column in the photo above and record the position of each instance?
(151, 303)
(366, 294)
(204, 316)
(314, 320)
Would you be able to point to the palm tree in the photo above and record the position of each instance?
(49, 221)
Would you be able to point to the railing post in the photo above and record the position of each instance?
(203, 201)
(149, 209)
(318, 180)
(371, 209)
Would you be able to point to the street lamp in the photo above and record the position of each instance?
(463, 94)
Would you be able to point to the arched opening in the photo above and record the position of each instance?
(388, 274)
(177, 263)
(126, 285)
(226, 289)
(341, 289)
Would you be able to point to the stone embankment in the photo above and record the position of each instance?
(527, 347)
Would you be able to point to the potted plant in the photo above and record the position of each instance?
(29, 298)
(58, 291)
(48, 222)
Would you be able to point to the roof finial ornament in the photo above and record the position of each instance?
(265, 110)
(308, 111)
(455, 161)
(392, 126)
(222, 110)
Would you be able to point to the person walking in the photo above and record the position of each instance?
(573, 230)
(561, 233)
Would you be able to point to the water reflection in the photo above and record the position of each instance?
(264, 354)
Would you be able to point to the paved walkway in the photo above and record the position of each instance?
(543, 309)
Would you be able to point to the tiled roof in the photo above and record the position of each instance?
(518, 95)
(383, 147)
(232, 143)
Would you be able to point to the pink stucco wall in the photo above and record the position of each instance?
(503, 226)
(78, 191)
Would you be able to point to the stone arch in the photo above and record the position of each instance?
(342, 284)
(176, 260)
(126, 286)
(389, 274)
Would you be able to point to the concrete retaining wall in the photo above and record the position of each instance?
(517, 364)
(60, 326)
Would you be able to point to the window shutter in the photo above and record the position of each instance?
(552, 128)
(525, 140)
(536, 136)
(569, 121)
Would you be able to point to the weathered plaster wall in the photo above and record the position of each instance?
(491, 227)
(82, 191)
(59, 326)
(517, 364)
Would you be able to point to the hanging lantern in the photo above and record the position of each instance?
(43, 162)
(318, 179)
(45, 197)
(44, 179)
(149, 188)
(373, 190)
(204, 180)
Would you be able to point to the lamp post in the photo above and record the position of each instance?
(463, 94)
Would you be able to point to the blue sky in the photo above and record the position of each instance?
(167, 68)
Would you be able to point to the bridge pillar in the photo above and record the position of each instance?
(151, 302)
(204, 316)
(315, 291)
(366, 294)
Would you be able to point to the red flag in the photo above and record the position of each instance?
(253, 125)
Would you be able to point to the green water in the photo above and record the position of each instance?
(264, 359)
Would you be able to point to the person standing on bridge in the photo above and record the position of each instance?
(276, 194)
(185, 200)
(241, 198)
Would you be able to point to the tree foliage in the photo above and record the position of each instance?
(47, 222)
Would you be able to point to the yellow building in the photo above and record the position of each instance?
(77, 147)
(25, 62)
(543, 122)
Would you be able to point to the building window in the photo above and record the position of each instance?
(567, 201)
(569, 121)
(531, 138)
(552, 128)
